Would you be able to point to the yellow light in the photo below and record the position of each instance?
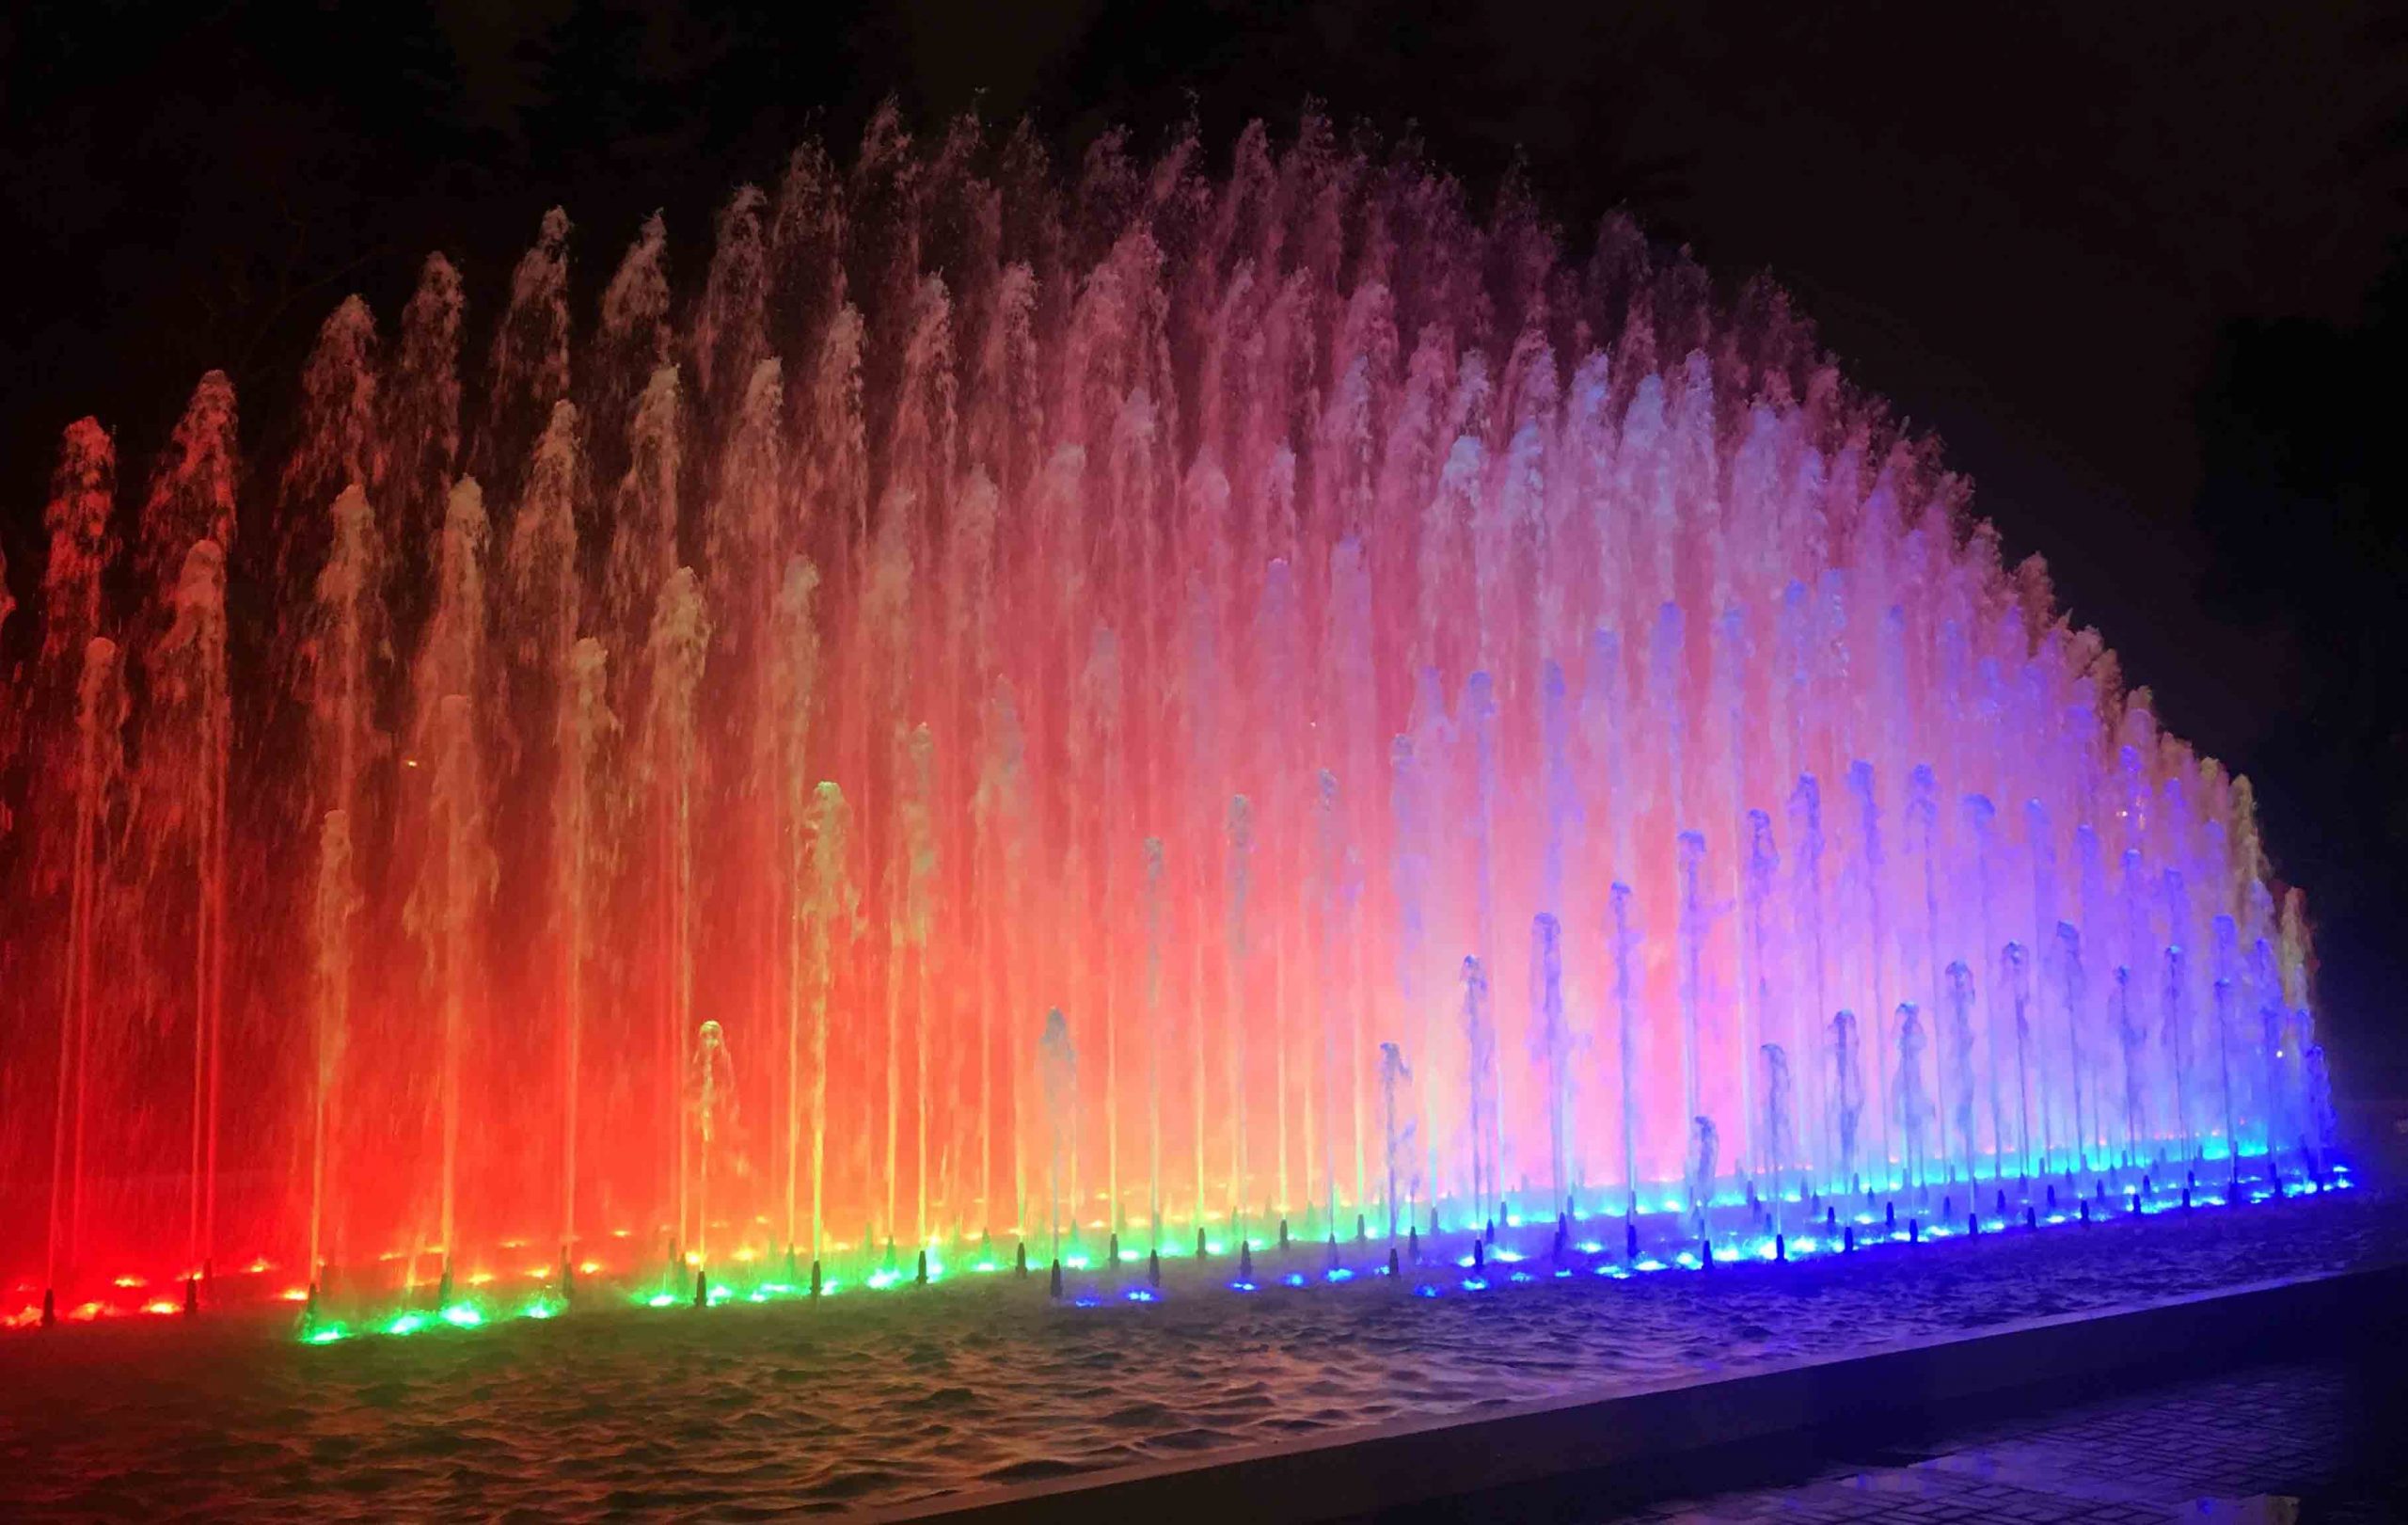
(161, 1306)
(590, 1268)
(131, 1282)
(480, 1279)
(295, 1294)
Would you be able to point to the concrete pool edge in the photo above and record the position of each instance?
(1666, 1437)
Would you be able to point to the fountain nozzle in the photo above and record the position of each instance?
(1153, 1267)
(814, 1277)
(702, 1288)
(1054, 1287)
(192, 1296)
(921, 1277)
(49, 1307)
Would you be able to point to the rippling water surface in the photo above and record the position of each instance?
(883, 1400)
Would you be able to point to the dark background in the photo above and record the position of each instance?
(2140, 266)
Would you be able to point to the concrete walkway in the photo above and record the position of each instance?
(2303, 1442)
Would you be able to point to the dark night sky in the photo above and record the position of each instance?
(2129, 261)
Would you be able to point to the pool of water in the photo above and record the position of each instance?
(886, 1399)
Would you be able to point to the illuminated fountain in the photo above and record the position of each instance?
(1151, 710)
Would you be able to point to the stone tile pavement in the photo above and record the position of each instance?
(2281, 1445)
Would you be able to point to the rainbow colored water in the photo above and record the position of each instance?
(1034, 708)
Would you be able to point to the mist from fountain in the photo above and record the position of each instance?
(1033, 659)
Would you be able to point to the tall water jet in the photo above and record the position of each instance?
(1480, 1085)
(336, 904)
(1922, 820)
(345, 637)
(580, 861)
(1396, 1139)
(2070, 992)
(1847, 1093)
(1869, 869)
(712, 1096)
(832, 910)
(1552, 1037)
(674, 654)
(2016, 977)
(1626, 1042)
(101, 710)
(455, 863)
(185, 768)
(1778, 1142)
(2131, 1032)
(1692, 986)
(1059, 1062)
(1757, 964)
(1960, 1047)
(1914, 1103)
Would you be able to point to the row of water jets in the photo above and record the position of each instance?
(1083, 681)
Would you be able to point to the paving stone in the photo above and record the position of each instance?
(2242, 1448)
